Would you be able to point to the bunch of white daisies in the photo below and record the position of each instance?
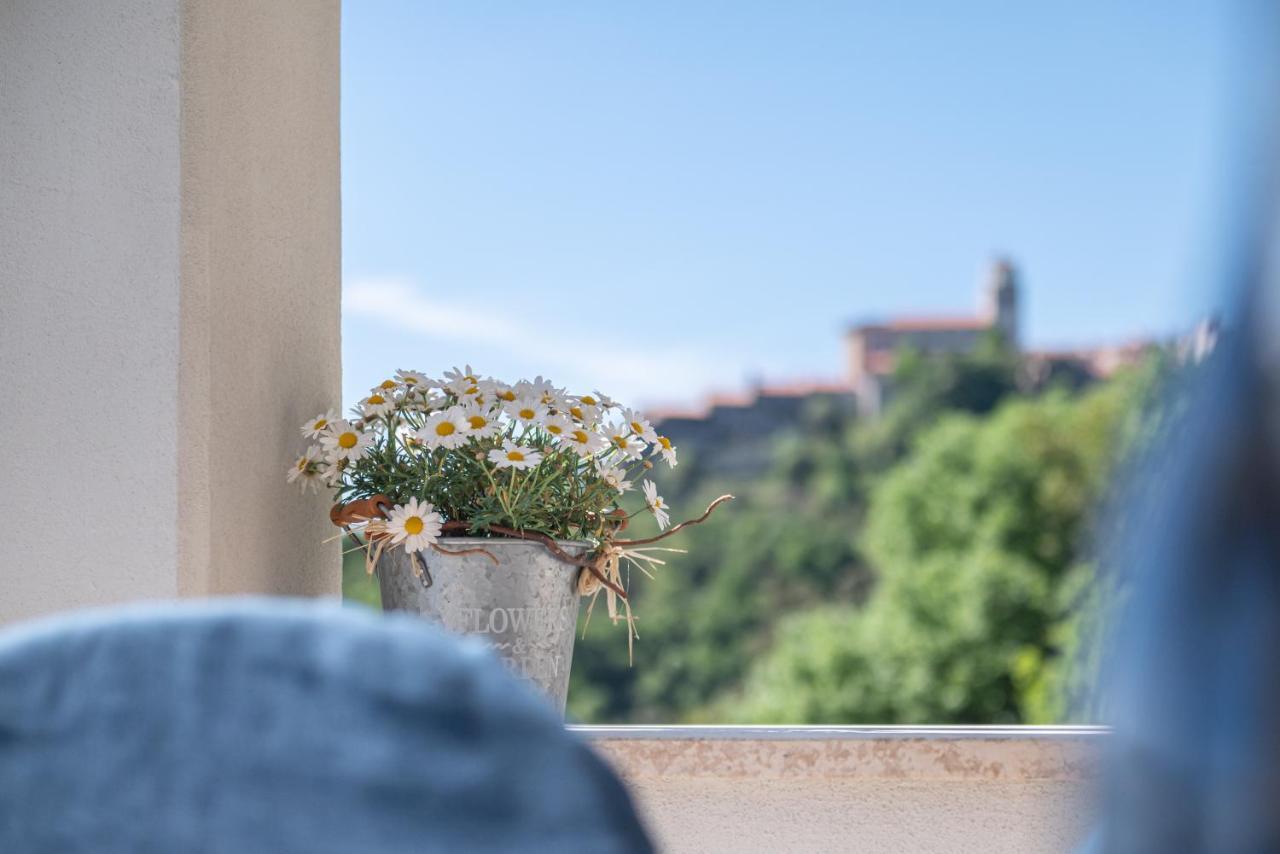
(527, 456)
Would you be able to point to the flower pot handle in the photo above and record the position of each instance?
(362, 510)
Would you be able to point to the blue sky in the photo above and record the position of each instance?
(659, 198)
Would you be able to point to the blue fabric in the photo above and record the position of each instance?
(278, 726)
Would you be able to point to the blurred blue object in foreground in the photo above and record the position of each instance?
(1194, 687)
(279, 726)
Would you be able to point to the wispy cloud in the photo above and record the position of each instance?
(611, 359)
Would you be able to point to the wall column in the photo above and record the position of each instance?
(169, 297)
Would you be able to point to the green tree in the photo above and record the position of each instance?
(790, 541)
(981, 542)
(925, 387)
(787, 541)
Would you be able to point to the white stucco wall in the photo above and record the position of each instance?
(261, 254)
(1019, 790)
(169, 286)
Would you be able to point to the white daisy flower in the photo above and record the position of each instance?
(494, 390)
(581, 411)
(622, 439)
(315, 428)
(481, 423)
(446, 428)
(414, 525)
(386, 387)
(542, 389)
(345, 442)
(413, 379)
(459, 388)
(558, 426)
(640, 425)
(613, 476)
(526, 409)
(467, 392)
(309, 469)
(513, 456)
(584, 441)
(377, 404)
(663, 446)
(467, 376)
(655, 503)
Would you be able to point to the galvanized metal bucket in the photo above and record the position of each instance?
(525, 606)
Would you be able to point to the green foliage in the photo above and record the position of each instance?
(924, 387)
(357, 584)
(980, 538)
(564, 497)
(787, 541)
(791, 542)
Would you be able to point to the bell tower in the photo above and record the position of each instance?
(1000, 300)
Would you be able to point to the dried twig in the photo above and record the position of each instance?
(712, 506)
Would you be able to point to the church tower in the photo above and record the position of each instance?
(1000, 300)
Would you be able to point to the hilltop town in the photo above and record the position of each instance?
(741, 424)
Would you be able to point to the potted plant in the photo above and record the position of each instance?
(492, 508)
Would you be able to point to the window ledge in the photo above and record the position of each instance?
(816, 788)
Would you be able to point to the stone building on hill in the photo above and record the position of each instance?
(872, 348)
(732, 433)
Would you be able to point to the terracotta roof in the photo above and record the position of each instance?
(923, 324)
(731, 398)
(929, 324)
(700, 410)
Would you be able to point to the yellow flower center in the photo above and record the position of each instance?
(413, 525)
(445, 428)
(507, 395)
(664, 442)
(555, 429)
(588, 400)
(473, 390)
(637, 427)
(387, 385)
(302, 464)
(526, 414)
(515, 456)
(347, 440)
(407, 381)
(376, 400)
(579, 436)
(576, 412)
(620, 441)
(476, 421)
(320, 425)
